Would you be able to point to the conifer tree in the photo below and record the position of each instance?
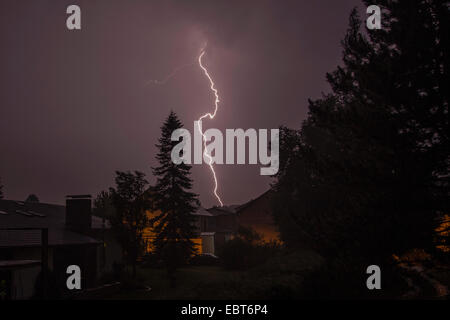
(174, 225)
(368, 172)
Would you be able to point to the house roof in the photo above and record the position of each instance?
(224, 210)
(18, 214)
(18, 264)
(202, 212)
(235, 209)
(247, 204)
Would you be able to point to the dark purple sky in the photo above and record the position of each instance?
(74, 106)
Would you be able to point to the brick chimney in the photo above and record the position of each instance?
(78, 213)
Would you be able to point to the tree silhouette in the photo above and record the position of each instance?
(104, 205)
(174, 225)
(32, 198)
(1, 189)
(131, 204)
(368, 172)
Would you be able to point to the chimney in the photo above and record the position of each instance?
(78, 213)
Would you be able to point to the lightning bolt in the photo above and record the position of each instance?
(211, 116)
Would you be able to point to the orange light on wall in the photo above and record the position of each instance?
(148, 235)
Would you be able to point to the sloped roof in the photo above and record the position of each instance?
(247, 204)
(16, 264)
(234, 209)
(17, 214)
(224, 210)
(202, 212)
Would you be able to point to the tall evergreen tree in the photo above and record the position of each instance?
(368, 172)
(131, 204)
(1, 189)
(174, 226)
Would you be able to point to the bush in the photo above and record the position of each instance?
(279, 277)
(152, 261)
(53, 287)
(345, 278)
(246, 250)
(204, 260)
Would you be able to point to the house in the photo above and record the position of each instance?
(221, 224)
(217, 225)
(204, 239)
(34, 234)
(257, 214)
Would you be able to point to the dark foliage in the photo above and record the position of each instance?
(152, 260)
(32, 198)
(104, 205)
(368, 172)
(345, 278)
(245, 250)
(279, 276)
(52, 289)
(204, 260)
(130, 202)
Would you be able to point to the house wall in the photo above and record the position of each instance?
(258, 216)
(23, 282)
(208, 244)
(225, 223)
(149, 235)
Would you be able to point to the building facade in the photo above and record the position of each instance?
(73, 237)
(217, 225)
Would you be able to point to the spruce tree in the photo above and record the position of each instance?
(174, 226)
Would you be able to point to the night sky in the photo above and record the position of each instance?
(76, 105)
